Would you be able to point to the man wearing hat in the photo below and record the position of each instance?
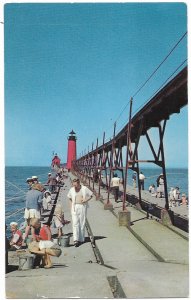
(16, 237)
(29, 181)
(79, 195)
(36, 185)
(32, 208)
(51, 182)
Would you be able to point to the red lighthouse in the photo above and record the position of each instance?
(71, 149)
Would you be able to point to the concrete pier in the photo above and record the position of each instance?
(143, 260)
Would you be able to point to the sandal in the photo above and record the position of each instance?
(48, 266)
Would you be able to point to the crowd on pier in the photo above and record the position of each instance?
(174, 196)
(35, 235)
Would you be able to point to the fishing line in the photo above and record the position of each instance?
(17, 211)
(14, 197)
(15, 186)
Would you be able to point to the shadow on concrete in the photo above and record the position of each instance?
(58, 266)
(87, 239)
(11, 268)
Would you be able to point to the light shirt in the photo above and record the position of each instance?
(115, 181)
(79, 197)
(86, 193)
(141, 176)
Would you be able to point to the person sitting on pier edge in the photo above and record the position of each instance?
(79, 195)
(32, 209)
(45, 249)
(16, 238)
(42, 233)
(115, 183)
(142, 180)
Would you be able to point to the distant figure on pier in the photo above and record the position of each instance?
(115, 183)
(142, 180)
(79, 195)
(184, 200)
(160, 186)
(176, 194)
(172, 202)
(152, 190)
(134, 177)
(16, 237)
(95, 175)
(51, 182)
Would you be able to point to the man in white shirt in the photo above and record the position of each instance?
(115, 183)
(142, 180)
(79, 195)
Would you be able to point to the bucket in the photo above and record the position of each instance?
(26, 261)
(28, 240)
(64, 241)
(55, 241)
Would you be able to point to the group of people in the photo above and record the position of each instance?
(174, 196)
(141, 180)
(159, 191)
(175, 199)
(41, 242)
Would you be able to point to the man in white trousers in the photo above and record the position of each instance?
(79, 195)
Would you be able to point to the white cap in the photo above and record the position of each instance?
(13, 224)
(34, 177)
(47, 192)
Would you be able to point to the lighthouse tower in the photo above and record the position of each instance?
(71, 149)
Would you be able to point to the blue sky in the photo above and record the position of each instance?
(75, 66)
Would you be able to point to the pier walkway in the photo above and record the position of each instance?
(148, 260)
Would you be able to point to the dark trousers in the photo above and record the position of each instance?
(115, 190)
(142, 184)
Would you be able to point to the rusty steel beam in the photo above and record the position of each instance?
(158, 110)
